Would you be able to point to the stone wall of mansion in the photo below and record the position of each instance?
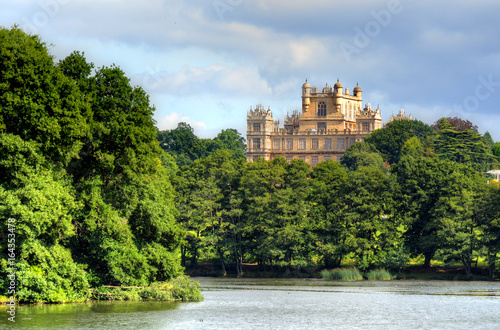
(330, 122)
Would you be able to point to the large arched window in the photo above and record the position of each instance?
(321, 109)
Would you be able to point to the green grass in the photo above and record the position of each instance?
(342, 274)
(379, 275)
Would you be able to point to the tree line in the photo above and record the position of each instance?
(99, 196)
(409, 190)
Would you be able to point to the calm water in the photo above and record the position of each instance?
(288, 304)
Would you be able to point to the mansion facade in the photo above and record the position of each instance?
(330, 122)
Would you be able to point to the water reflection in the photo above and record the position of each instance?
(288, 304)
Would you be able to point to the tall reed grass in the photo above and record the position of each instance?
(342, 274)
(379, 275)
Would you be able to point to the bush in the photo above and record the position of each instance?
(343, 274)
(186, 290)
(379, 275)
(180, 288)
(393, 260)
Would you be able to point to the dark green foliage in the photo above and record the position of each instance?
(231, 140)
(186, 147)
(370, 226)
(37, 101)
(362, 154)
(81, 175)
(496, 149)
(390, 139)
(394, 260)
(466, 147)
(326, 212)
(488, 140)
(487, 215)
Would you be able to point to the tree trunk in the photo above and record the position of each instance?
(427, 261)
(467, 265)
(491, 264)
(183, 255)
(222, 262)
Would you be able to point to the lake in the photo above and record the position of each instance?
(288, 304)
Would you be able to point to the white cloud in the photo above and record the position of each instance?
(170, 121)
(212, 79)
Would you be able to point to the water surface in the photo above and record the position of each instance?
(288, 304)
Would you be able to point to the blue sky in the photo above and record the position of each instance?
(206, 62)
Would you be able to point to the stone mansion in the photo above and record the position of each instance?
(330, 121)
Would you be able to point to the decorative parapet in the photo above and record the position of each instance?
(293, 119)
(259, 113)
(369, 112)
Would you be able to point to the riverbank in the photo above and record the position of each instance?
(413, 272)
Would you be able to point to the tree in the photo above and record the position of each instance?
(466, 147)
(362, 154)
(291, 213)
(390, 139)
(231, 140)
(259, 187)
(496, 149)
(183, 144)
(488, 140)
(37, 200)
(419, 182)
(369, 225)
(488, 217)
(458, 228)
(328, 224)
(437, 200)
(37, 102)
(455, 123)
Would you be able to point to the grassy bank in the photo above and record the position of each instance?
(178, 289)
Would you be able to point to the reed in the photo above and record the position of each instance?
(342, 274)
(379, 275)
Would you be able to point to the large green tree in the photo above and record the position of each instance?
(390, 139)
(458, 229)
(465, 146)
(362, 154)
(37, 101)
(370, 227)
(328, 225)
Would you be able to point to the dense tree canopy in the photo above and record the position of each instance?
(80, 175)
(390, 140)
(288, 215)
(186, 147)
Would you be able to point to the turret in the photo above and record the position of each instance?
(306, 93)
(357, 91)
(338, 88)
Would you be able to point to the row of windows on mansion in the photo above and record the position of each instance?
(297, 144)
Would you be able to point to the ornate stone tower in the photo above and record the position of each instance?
(260, 127)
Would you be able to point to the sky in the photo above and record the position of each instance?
(206, 62)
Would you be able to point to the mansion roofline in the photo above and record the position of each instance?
(330, 121)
